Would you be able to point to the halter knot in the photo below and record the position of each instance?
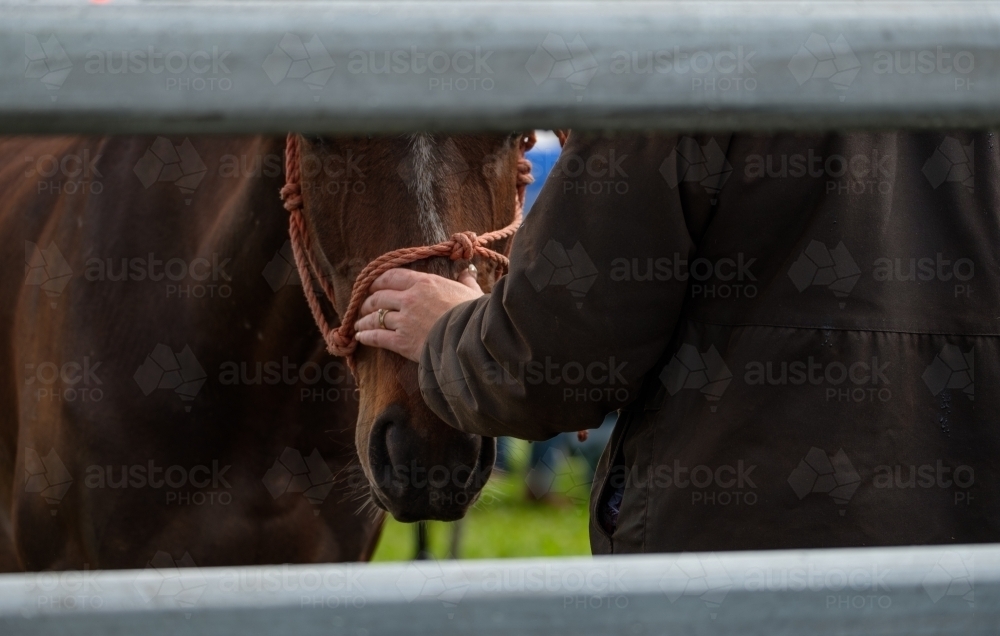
(291, 194)
(463, 245)
(340, 345)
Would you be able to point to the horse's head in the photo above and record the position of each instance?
(364, 196)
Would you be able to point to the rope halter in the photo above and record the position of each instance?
(340, 340)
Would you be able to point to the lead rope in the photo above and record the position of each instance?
(340, 340)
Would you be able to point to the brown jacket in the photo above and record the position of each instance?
(790, 325)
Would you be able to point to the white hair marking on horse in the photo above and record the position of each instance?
(423, 161)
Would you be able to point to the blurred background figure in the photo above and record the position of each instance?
(549, 459)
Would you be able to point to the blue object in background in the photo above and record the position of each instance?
(543, 156)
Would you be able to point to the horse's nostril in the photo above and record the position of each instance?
(391, 436)
(393, 414)
(424, 469)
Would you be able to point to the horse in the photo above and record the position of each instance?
(169, 398)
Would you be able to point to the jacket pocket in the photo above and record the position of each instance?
(610, 479)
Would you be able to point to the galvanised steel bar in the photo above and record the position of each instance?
(225, 67)
(909, 590)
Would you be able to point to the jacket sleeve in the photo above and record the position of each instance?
(597, 280)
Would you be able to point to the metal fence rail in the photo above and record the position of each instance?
(925, 590)
(399, 66)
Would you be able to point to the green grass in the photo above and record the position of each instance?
(504, 523)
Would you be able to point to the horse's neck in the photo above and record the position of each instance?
(245, 221)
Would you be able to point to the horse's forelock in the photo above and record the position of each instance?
(423, 157)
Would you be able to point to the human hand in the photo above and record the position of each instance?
(412, 303)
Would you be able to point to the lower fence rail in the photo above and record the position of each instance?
(901, 590)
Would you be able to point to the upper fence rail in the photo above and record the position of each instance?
(343, 67)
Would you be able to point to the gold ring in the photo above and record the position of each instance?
(381, 318)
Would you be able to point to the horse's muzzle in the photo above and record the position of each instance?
(426, 471)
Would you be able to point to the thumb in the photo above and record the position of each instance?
(467, 278)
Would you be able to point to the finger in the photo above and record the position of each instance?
(398, 279)
(383, 339)
(391, 320)
(468, 279)
(367, 322)
(384, 299)
(370, 321)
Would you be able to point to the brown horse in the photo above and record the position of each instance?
(166, 390)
